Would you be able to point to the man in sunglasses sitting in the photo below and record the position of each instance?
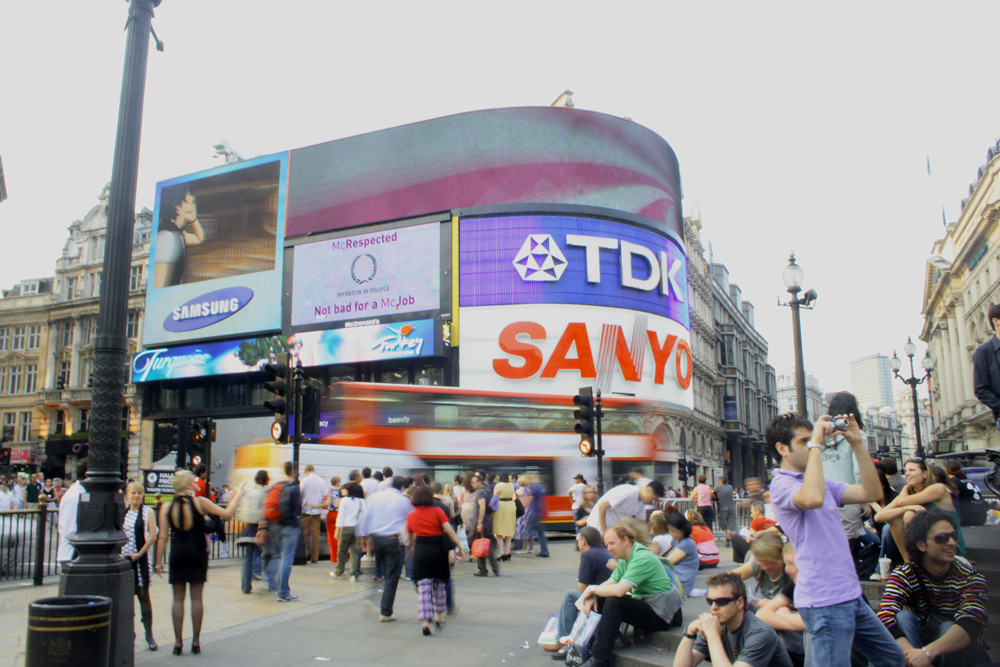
(729, 633)
(935, 605)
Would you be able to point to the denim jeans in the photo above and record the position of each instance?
(918, 635)
(387, 550)
(288, 540)
(535, 529)
(833, 630)
(568, 612)
(251, 554)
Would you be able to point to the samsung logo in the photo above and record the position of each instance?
(208, 309)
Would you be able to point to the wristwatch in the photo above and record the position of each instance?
(927, 653)
(694, 636)
(814, 445)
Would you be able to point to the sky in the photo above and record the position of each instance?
(838, 131)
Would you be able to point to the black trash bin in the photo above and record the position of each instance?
(69, 630)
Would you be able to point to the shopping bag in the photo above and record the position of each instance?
(548, 639)
(480, 548)
(581, 637)
(462, 538)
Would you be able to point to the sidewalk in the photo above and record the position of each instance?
(338, 620)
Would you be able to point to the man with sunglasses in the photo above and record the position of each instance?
(827, 593)
(729, 633)
(935, 605)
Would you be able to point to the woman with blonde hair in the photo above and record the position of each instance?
(140, 535)
(767, 566)
(921, 493)
(704, 540)
(182, 522)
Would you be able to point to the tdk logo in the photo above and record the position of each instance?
(540, 259)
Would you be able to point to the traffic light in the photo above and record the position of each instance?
(200, 448)
(692, 470)
(279, 383)
(312, 396)
(682, 471)
(4, 456)
(584, 416)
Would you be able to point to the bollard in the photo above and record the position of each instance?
(68, 631)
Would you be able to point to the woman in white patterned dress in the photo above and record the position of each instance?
(140, 535)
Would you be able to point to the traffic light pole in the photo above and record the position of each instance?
(298, 383)
(598, 415)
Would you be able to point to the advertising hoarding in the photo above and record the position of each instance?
(511, 260)
(555, 349)
(216, 253)
(380, 275)
(380, 342)
(482, 158)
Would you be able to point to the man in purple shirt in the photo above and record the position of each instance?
(827, 592)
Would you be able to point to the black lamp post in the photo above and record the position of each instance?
(99, 569)
(928, 363)
(793, 276)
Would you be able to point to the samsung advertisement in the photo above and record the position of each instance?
(216, 253)
(378, 275)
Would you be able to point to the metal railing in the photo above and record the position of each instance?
(29, 540)
(29, 543)
(685, 504)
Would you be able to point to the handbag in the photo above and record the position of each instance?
(480, 548)
(518, 508)
(581, 637)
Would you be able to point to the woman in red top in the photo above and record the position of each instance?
(427, 526)
(704, 540)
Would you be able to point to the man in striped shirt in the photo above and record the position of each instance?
(935, 606)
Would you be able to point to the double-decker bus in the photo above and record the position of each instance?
(453, 431)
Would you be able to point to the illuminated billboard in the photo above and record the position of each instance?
(380, 342)
(216, 253)
(380, 275)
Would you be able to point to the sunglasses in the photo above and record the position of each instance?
(942, 538)
(720, 602)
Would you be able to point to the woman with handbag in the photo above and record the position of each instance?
(254, 536)
(483, 525)
(182, 522)
(505, 517)
(140, 536)
(432, 537)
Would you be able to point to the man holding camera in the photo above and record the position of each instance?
(827, 593)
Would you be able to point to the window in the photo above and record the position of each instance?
(135, 277)
(3, 379)
(67, 333)
(34, 336)
(9, 422)
(60, 422)
(97, 285)
(25, 431)
(27, 289)
(17, 339)
(71, 288)
(83, 420)
(15, 379)
(132, 324)
(63, 380)
(87, 327)
(30, 376)
(4, 338)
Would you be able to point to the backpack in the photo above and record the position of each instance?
(275, 507)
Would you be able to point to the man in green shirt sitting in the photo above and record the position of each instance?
(638, 593)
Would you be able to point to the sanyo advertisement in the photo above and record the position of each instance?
(215, 261)
(549, 304)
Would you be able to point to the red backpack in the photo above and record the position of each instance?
(275, 507)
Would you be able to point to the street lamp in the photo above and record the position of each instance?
(928, 363)
(793, 276)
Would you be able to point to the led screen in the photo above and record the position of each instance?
(373, 275)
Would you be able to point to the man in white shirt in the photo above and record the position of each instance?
(368, 483)
(67, 516)
(313, 489)
(575, 494)
(623, 501)
(386, 482)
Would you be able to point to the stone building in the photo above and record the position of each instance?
(962, 280)
(816, 401)
(47, 329)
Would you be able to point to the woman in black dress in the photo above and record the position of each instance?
(182, 522)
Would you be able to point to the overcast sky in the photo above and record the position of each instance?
(795, 127)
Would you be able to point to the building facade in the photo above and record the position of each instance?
(871, 381)
(962, 281)
(47, 329)
(908, 435)
(816, 400)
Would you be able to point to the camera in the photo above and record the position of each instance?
(840, 424)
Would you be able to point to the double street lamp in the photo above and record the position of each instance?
(793, 276)
(928, 363)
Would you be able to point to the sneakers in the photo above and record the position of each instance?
(386, 619)
(288, 598)
(354, 578)
(334, 575)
